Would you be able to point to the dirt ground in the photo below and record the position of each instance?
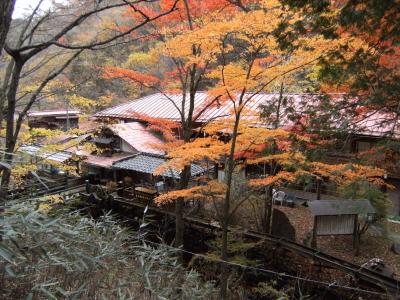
(373, 245)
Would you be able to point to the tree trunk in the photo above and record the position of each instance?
(6, 10)
(268, 200)
(318, 189)
(179, 203)
(268, 210)
(10, 134)
(226, 210)
(3, 90)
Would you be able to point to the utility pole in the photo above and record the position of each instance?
(67, 109)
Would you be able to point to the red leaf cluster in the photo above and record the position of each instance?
(137, 77)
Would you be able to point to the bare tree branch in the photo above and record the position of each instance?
(32, 100)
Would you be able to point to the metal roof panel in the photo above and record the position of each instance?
(340, 207)
(37, 151)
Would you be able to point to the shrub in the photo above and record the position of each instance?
(71, 256)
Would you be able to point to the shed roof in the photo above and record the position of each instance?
(340, 207)
(52, 113)
(33, 150)
(137, 135)
(145, 163)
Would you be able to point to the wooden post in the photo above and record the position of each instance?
(268, 207)
(115, 175)
(314, 234)
(87, 186)
(216, 171)
(66, 179)
(356, 240)
(318, 189)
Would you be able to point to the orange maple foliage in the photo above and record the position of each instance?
(201, 49)
(110, 72)
(239, 80)
(251, 152)
(213, 190)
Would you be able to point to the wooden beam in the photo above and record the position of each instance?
(318, 189)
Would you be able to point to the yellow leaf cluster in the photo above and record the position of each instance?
(18, 172)
(44, 207)
(143, 59)
(81, 102)
(54, 199)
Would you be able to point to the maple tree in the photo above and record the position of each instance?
(250, 57)
(252, 148)
(185, 58)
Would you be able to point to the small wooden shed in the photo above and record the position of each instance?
(338, 217)
(54, 119)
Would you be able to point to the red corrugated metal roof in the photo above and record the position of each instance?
(136, 135)
(156, 105)
(166, 107)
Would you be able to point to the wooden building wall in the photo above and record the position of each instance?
(332, 225)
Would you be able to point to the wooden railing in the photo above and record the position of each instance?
(143, 194)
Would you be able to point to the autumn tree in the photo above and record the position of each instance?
(254, 148)
(31, 44)
(185, 58)
(250, 58)
(249, 74)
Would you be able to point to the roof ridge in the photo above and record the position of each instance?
(125, 158)
(153, 155)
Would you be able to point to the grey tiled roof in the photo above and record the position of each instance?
(146, 163)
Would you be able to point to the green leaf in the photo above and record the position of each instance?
(10, 271)
(6, 254)
(29, 296)
(47, 293)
